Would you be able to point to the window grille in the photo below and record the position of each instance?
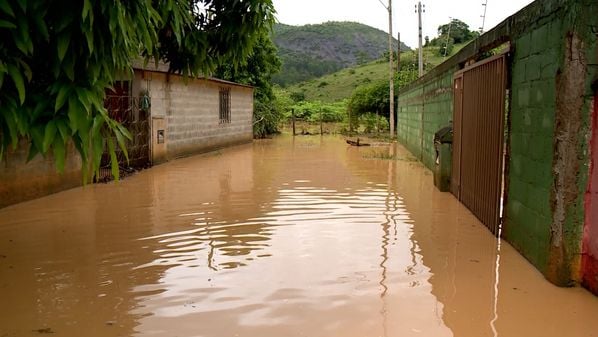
(224, 105)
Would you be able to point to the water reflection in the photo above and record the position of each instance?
(287, 237)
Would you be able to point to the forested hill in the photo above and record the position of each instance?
(311, 51)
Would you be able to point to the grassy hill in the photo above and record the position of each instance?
(339, 85)
(311, 51)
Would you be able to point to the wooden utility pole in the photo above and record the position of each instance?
(398, 71)
(293, 114)
(399, 52)
(391, 73)
(321, 121)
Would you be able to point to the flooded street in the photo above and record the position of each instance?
(279, 238)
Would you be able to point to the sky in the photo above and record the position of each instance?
(373, 13)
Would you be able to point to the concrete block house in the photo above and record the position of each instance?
(169, 117)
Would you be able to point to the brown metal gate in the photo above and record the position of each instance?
(478, 135)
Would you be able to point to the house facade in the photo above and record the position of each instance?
(169, 116)
(193, 115)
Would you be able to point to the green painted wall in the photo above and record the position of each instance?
(533, 72)
(553, 78)
(423, 110)
(548, 168)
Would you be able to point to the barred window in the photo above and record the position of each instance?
(224, 105)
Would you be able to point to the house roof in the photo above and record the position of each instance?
(162, 67)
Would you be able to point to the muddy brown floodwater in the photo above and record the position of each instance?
(283, 237)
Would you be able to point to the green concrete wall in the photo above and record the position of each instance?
(533, 71)
(423, 110)
(553, 78)
(553, 68)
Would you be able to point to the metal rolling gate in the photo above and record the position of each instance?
(479, 115)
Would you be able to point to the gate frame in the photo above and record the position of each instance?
(459, 85)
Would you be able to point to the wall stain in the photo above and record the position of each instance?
(570, 87)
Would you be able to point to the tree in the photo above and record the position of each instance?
(459, 31)
(257, 71)
(446, 48)
(58, 57)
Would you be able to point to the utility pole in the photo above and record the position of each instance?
(391, 70)
(421, 52)
(485, 5)
(399, 52)
(391, 73)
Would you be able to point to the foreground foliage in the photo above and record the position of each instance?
(57, 58)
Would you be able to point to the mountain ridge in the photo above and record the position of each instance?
(313, 50)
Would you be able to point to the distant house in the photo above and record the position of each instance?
(169, 117)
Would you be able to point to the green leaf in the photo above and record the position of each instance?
(121, 142)
(37, 137)
(98, 122)
(8, 112)
(58, 149)
(23, 5)
(61, 97)
(21, 36)
(7, 24)
(17, 78)
(84, 98)
(86, 9)
(78, 118)
(49, 135)
(97, 151)
(27, 70)
(89, 38)
(113, 159)
(63, 43)
(33, 151)
(5, 7)
(124, 131)
(63, 129)
(41, 26)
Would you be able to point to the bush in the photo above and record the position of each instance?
(370, 120)
(314, 111)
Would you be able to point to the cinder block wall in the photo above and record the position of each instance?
(193, 120)
(190, 108)
(533, 103)
(423, 110)
(553, 68)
